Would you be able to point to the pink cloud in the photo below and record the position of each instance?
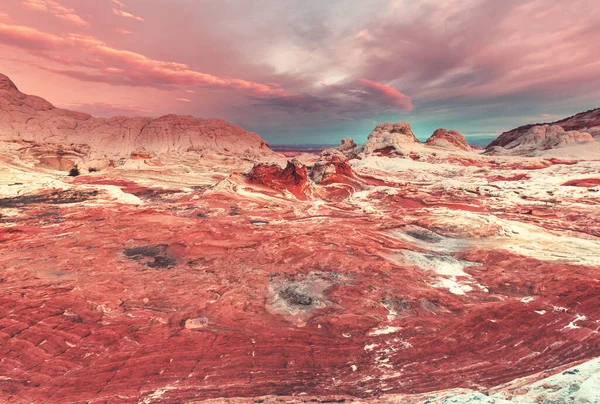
(27, 37)
(125, 14)
(473, 59)
(103, 63)
(190, 91)
(389, 93)
(55, 8)
(124, 31)
(108, 109)
(183, 100)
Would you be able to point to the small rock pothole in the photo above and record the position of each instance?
(154, 256)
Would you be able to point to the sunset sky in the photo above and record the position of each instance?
(311, 71)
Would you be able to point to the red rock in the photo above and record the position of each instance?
(141, 156)
(586, 182)
(293, 178)
(516, 177)
(380, 277)
(555, 160)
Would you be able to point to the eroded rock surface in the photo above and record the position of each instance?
(444, 276)
(429, 276)
(292, 179)
(332, 167)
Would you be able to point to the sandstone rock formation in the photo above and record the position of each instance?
(398, 140)
(388, 138)
(588, 121)
(293, 178)
(331, 167)
(59, 137)
(348, 147)
(579, 129)
(538, 139)
(448, 139)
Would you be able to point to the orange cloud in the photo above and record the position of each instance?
(103, 63)
(389, 93)
(56, 9)
(125, 14)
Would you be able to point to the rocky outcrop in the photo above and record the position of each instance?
(588, 121)
(348, 148)
(35, 122)
(575, 129)
(388, 139)
(448, 139)
(332, 167)
(293, 178)
(538, 139)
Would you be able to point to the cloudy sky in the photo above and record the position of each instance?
(311, 71)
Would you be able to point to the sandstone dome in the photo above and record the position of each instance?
(390, 138)
(539, 139)
(448, 139)
(574, 132)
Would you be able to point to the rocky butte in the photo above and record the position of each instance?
(187, 262)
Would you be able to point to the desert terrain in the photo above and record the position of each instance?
(182, 260)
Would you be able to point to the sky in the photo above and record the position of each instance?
(311, 71)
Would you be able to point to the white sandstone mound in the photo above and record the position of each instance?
(449, 140)
(58, 138)
(388, 138)
(577, 136)
(543, 140)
